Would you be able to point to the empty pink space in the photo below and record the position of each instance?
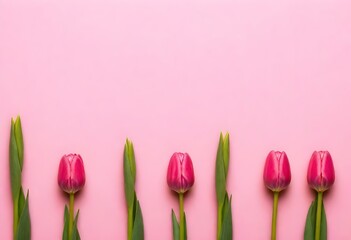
(170, 75)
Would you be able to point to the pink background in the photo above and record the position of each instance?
(171, 75)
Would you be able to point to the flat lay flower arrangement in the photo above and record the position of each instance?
(180, 177)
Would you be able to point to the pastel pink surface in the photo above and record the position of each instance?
(171, 75)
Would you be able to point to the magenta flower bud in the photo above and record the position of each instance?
(321, 175)
(71, 175)
(180, 174)
(277, 175)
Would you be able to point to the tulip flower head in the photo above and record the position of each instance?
(71, 175)
(277, 175)
(321, 175)
(180, 174)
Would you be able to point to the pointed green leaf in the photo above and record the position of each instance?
(226, 153)
(24, 225)
(129, 173)
(220, 173)
(310, 226)
(227, 226)
(15, 168)
(138, 227)
(19, 140)
(66, 223)
(21, 203)
(131, 158)
(75, 232)
(134, 207)
(310, 222)
(175, 225)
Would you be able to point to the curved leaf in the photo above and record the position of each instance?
(310, 226)
(129, 173)
(175, 226)
(19, 140)
(220, 172)
(226, 153)
(138, 227)
(21, 202)
(75, 232)
(227, 226)
(66, 223)
(24, 231)
(15, 168)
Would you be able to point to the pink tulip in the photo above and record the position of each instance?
(321, 175)
(71, 175)
(180, 174)
(276, 173)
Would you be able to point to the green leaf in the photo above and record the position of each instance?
(220, 173)
(129, 173)
(66, 223)
(138, 227)
(24, 225)
(227, 226)
(310, 226)
(226, 153)
(131, 158)
(175, 225)
(75, 232)
(15, 168)
(19, 140)
(21, 203)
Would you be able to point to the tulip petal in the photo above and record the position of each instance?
(328, 169)
(174, 174)
(77, 177)
(187, 173)
(276, 174)
(320, 173)
(64, 174)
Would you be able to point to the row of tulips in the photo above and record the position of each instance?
(180, 178)
(320, 177)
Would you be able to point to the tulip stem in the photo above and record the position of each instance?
(71, 215)
(130, 223)
(319, 215)
(274, 216)
(219, 221)
(181, 217)
(15, 218)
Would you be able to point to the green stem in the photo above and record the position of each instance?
(15, 218)
(319, 215)
(219, 221)
(274, 216)
(181, 217)
(71, 215)
(130, 223)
